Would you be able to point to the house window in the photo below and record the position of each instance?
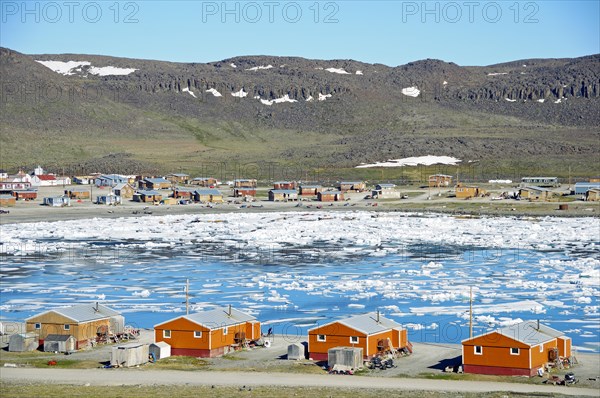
(514, 351)
(166, 334)
(541, 348)
(353, 339)
(224, 331)
(321, 337)
(478, 350)
(197, 334)
(67, 327)
(38, 325)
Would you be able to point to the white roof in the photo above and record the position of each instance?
(82, 312)
(366, 323)
(527, 332)
(216, 319)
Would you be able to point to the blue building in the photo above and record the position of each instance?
(582, 187)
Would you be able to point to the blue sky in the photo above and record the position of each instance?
(389, 32)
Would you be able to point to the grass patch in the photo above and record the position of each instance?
(179, 363)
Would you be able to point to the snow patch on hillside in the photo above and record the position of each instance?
(73, 67)
(187, 90)
(261, 67)
(240, 94)
(411, 91)
(340, 71)
(427, 160)
(214, 92)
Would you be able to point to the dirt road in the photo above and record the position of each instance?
(112, 377)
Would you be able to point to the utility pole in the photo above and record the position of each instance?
(187, 296)
(471, 312)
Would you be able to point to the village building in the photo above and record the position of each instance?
(14, 185)
(372, 332)
(85, 322)
(535, 193)
(540, 181)
(208, 182)
(3, 175)
(21, 342)
(154, 183)
(60, 343)
(83, 180)
(125, 191)
(147, 196)
(355, 186)
(7, 200)
(57, 201)
(78, 193)
(282, 195)
(209, 333)
(439, 180)
(183, 193)
(208, 195)
(284, 185)
(594, 179)
(517, 350)
(28, 194)
(385, 191)
(110, 180)
(21, 176)
(582, 187)
(109, 200)
(44, 180)
(593, 195)
(178, 178)
(468, 191)
(330, 196)
(243, 192)
(244, 183)
(310, 190)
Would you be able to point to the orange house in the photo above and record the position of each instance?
(517, 350)
(466, 192)
(371, 332)
(209, 333)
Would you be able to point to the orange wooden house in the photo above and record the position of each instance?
(519, 349)
(85, 322)
(208, 333)
(371, 332)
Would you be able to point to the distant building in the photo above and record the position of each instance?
(385, 191)
(109, 200)
(208, 182)
(582, 187)
(540, 181)
(27, 194)
(78, 193)
(155, 183)
(242, 192)
(356, 186)
(57, 201)
(244, 183)
(147, 196)
(282, 195)
(593, 195)
(330, 196)
(284, 185)
(44, 180)
(11, 186)
(208, 195)
(439, 180)
(178, 178)
(123, 190)
(310, 190)
(7, 200)
(535, 193)
(110, 180)
(468, 191)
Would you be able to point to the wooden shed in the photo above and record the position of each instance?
(330, 196)
(207, 182)
(25, 195)
(310, 190)
(78, 193)
(154, 183)
(178, 178)
(241, 192)
(127, 355)
(23, 342)
(535, 193)
(520, 349)
(208, 195)
(85, 322)
(355, 186)
(285, 185)
(208, 334)
(244, 183)
(348, 357)
(148, 196)
(7, 200)
(57, 201)
(60, 343)
(184, 193)
(123, 190)
(468, 191)
(372, 332)
(282, 195)
(160, 350)
(593, 195)
(109, 200)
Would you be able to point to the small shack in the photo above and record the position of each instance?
(23, 342)
(78, 193)
(208, 195)
(535, 193)
(25, 195)
(593, 195)
(60, 343)
(57, 201)
(284, 185)
(243, 192)
(124, 190)
(330, 196)
(282, 195)
(356, 186)
(7, 200)
(109, 200)
(468, 191)
(128, 355)
(295, 351)
(160, 350)
(385, 191)
(439, 180)
(351, 357)
(310, 190)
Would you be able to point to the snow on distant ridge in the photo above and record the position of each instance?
(240, 94)
(71, 67)
(187, 90)
(497, 74)
(261, 67)
(285, 98)
(323, 97)
(411, 91)
(340, 71)
(359, 72)
(214, 92)
(427, 160)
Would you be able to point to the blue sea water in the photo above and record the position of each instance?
(424, 287)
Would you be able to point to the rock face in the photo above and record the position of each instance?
(359, 102)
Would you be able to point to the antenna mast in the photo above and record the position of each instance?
(187, 296)
(471, 312)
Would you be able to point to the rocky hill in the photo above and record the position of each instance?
(288, 109)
